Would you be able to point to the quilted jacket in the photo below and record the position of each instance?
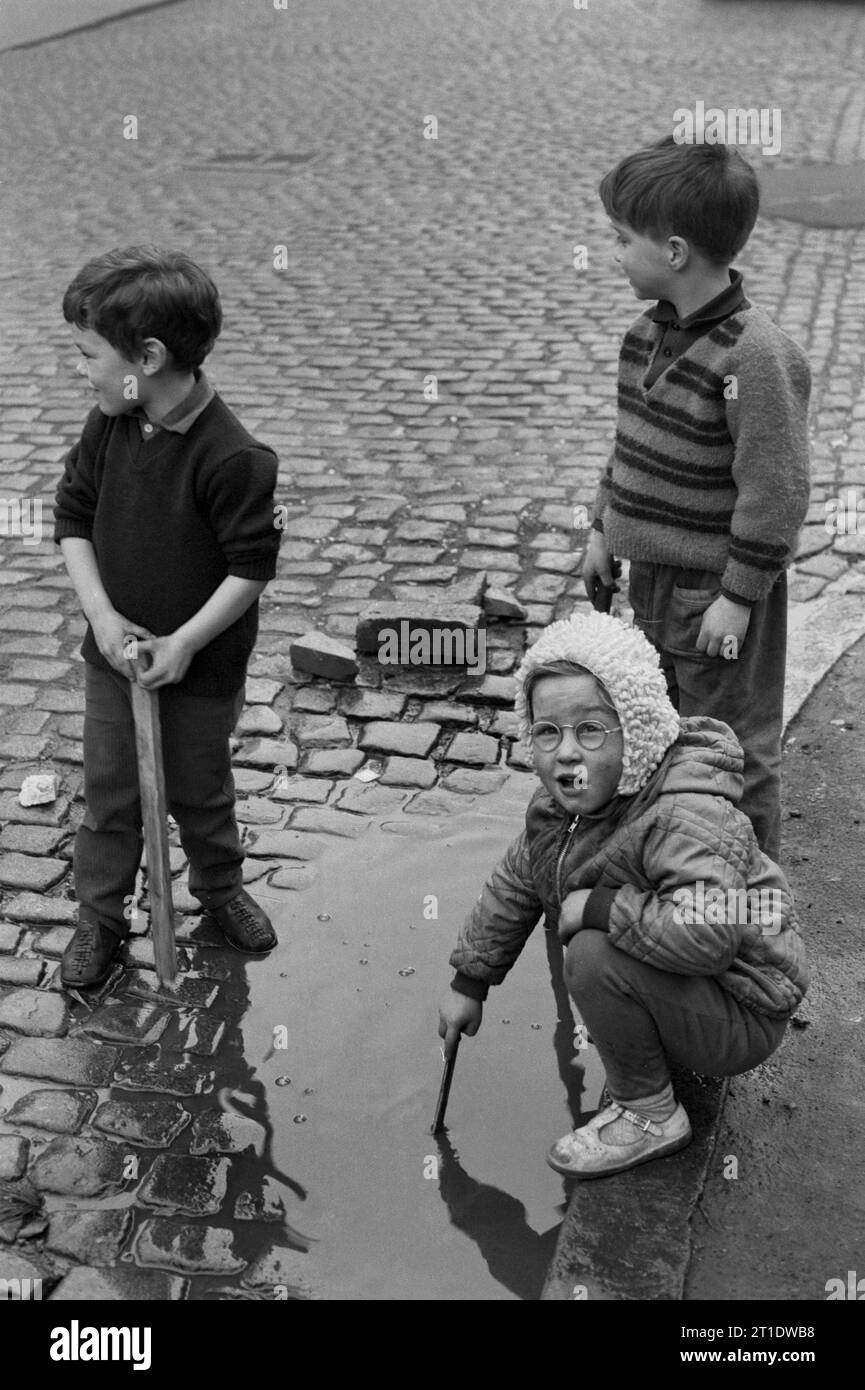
(678, 881)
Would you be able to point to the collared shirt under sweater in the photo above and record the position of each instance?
(170, 515)
(710, 467)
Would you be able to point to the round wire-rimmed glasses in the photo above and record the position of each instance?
(590, 735)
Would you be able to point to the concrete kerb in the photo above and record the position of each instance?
(628, 1238)
(819, 633)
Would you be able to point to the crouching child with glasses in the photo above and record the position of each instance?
(682, 939)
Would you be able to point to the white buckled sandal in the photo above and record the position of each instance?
(584, 1153)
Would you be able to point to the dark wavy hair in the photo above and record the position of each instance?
(138, 292)
(707, 194)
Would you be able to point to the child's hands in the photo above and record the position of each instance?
(171, 657)
(597, 564)
(723, 619)
(111, 631)
(571, 915)
(458, 1014)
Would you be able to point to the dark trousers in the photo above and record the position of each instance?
(199, 791)
(747, 694)
(641, 1019)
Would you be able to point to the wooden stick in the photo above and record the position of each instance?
(602, 599)
(438, 1123)
(154, 818)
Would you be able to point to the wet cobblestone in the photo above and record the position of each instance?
(408, 740)
(476, 749)
(132, 1024)
(118, 1285)
(397, 506)
(409, 772)
(152, 1123)
(21, 971)
(33, 1013)
(62, 1112)
(13, 1156)
(78, 1167)
(225, 1134)
(65, 1061)
(96, 1237)
(190, 1186)
(186, 1248)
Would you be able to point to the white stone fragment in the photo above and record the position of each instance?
(38, 790)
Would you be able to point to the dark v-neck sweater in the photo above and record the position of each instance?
(169, 518)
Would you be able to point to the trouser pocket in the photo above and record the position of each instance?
(692, 592)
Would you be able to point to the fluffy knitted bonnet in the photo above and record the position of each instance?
(627, 665)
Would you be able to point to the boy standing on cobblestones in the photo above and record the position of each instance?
(708, 480)
(165, 517)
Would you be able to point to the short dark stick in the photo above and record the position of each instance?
(447, 1077)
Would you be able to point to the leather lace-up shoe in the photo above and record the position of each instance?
(245, 925)
(89, 956)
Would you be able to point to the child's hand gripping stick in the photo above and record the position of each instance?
(602, 598)
(154, 817)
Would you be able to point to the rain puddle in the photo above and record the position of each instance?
(346, 1008)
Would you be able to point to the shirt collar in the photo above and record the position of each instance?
(182, 417)
(724, 304)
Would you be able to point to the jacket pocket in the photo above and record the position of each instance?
(692, 593)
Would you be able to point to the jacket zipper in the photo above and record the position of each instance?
(568, 837)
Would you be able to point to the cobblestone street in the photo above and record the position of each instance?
(405, 325)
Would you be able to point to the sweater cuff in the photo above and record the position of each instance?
(737, 598)
(596, 913)
(472, 988)
(67, 530)
(264, 569)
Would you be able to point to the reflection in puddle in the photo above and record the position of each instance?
(396, 1214)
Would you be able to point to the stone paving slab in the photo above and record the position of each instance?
(61, 1112)
(78, 1167)
(97, 1237)
(153, 1123)
(63, 1060)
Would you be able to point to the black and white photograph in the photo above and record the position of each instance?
(432, 668)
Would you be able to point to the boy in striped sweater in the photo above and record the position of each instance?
(707, 483)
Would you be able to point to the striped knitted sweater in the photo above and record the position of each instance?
(701, 481)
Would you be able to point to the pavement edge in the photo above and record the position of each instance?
(654, 1206)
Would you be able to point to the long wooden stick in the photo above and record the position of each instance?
(154, 818)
